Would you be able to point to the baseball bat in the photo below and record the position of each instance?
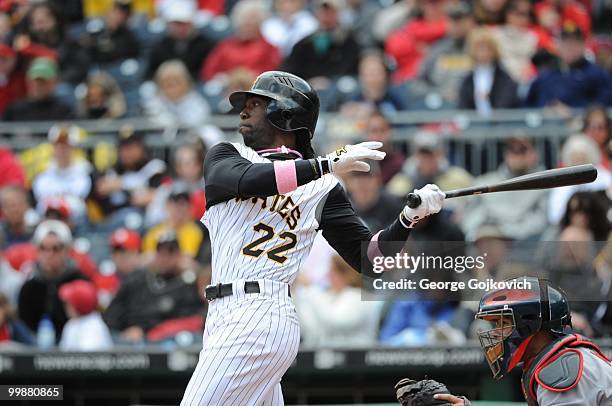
(551, 178)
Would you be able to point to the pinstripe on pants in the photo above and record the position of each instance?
(250, 341)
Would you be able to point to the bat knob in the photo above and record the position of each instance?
(414, 200)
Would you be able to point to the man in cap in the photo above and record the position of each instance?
(41, 102)
(54, 267)
(66, 177)
(165, 290)
(125, 251)
(329, 52)
(428, 164)
(531, 326)
(128, 186)
(447, 62)
(182, 40)
(190, 235)
(575, 82)
(517, 219)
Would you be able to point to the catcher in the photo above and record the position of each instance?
(531, 327)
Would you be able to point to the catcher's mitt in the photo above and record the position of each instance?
(419, 393)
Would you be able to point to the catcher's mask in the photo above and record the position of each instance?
(293, 105)
(515, 316)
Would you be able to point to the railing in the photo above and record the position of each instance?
(472, 141)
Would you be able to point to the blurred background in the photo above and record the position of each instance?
(109, 106)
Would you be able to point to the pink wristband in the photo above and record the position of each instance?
(373, 248)
(286, 176)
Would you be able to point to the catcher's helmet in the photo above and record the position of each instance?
(293, 105)
(517, 314)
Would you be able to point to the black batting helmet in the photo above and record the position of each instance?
(516, 314)
(293, 105)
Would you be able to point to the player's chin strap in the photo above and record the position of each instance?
(279, 150)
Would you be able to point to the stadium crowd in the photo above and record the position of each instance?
(103, 246)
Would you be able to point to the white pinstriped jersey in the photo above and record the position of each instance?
(267, 238)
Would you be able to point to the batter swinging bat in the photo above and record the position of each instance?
(551, 178)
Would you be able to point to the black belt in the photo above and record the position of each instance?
(225, 289)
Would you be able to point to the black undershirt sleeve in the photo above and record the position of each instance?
(346, 232)
(227, 175)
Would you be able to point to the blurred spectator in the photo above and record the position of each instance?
(10, 280)
(329, 52)
(66, 177)
(372, 203)
(189, 170)
(247, 48)
(85, 329)
(149, 297)
(519, 219)
(128, 187)
(598, 126)
(112, 40)
(516, 41)
(337, 317)
(45, 32)
(391, 18)
(53, 268)
(180, 221)
(409, 45)
(11, 171)
(428, 164)
(236, 80)
(447, 61)
(575, 82)
(588, 211)
(176, 101)
(417, 322)
(15, 226)
(290, 23)
(6, 27)
(494, 247)
(102, 98)
(41, 102)
(205, 8)
(125, 252)
(378, 128)
(11, 328)
(489, 12)
(555, 14)
(359, 16)
(182, 40)
(577, 150)
(375, 90)
(488, 86)
(12, 77)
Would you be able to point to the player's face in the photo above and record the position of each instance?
(254, 127)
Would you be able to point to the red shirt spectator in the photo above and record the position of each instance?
(553, 15)
(12, 79)
(257, 55)
(247, 48)
(11, 172)
(409, 45)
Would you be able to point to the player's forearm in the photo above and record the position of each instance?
(269, 179)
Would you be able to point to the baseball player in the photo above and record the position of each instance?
(532, 327)
(265, 201)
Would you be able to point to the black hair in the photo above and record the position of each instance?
(593, 204)
(595, 108)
